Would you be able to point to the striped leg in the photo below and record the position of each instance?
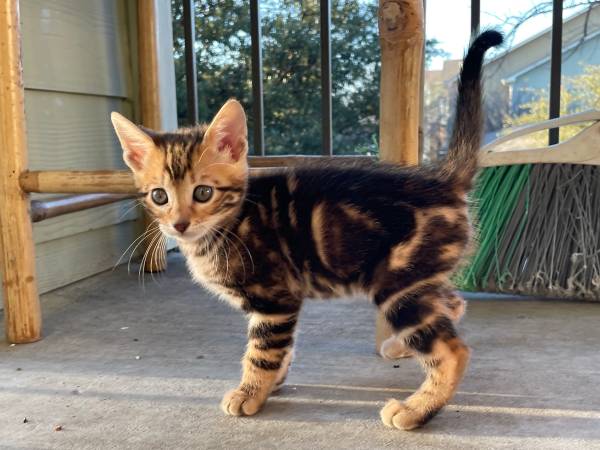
(265, 364)
(424, 322)
(284, 370)
(394, 347)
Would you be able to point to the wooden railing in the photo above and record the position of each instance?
(401, 27)
(402, 36)
(21, 303)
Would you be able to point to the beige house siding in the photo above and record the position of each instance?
(512, 77)
(79, 64)
(537, 48)
(515, 75)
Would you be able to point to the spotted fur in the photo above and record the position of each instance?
(266, 243)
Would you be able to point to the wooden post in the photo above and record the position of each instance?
(149, 106)
(22, 315)
(402, 38)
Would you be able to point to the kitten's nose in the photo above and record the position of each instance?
(181, 226)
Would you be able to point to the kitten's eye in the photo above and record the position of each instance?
(203, 194)
(159, 196)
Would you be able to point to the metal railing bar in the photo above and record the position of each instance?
(47, 209)
(475, 16)
(258, 162)
(326, 99)
(191, 76)
(257, 79)
(555, 68)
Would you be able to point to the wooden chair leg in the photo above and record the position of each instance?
(22, 313)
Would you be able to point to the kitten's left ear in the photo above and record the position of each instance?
(228, 131)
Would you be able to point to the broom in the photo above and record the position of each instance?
(538, 216)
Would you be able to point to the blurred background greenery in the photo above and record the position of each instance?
(291, 70)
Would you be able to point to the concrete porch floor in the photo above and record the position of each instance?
(532, 383)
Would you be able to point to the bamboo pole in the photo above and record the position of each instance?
(149, 107)
(121, 181)
(22, 315)
(402, 37)
(291, 161)
(78, 182)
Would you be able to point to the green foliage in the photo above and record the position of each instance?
(578, 93)
(291, 70)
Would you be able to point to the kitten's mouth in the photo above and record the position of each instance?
(189, 235)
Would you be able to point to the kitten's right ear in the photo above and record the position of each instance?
(136, 144)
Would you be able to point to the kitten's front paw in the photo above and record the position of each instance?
(396, 414)
(238, 403)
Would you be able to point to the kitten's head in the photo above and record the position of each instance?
(193, 179)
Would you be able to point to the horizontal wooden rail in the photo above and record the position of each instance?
(121, 181)
(285, 161)
(47, 209)
(78, 182)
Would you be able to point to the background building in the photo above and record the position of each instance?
(517, 81)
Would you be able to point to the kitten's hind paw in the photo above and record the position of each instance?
(393, 348)
(396, 414)
(238, 403)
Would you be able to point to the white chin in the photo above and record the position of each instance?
(187, 236)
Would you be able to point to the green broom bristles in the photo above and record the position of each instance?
(493, 200)
(538, 231)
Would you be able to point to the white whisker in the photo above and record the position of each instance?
(245, 247)
(236, 249)
(143, 262)
(144, 236)
(136, 203)
(130, 245)
(202, 155)
(159, 257)
(250, 201)
(219, 164)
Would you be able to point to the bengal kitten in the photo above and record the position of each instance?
(265, 243)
